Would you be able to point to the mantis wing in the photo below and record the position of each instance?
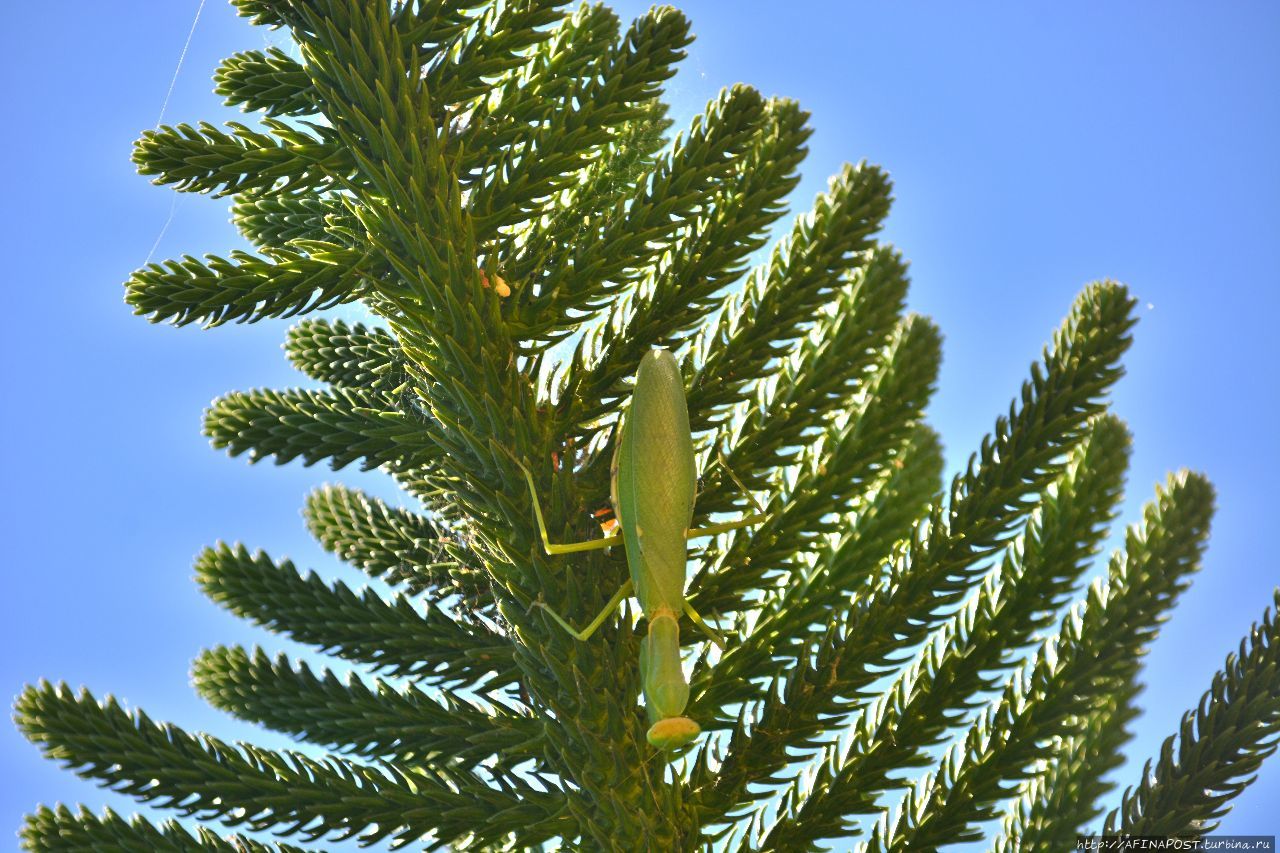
(654, 481)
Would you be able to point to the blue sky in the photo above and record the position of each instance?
(1033, 148)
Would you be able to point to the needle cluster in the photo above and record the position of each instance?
(908, 660)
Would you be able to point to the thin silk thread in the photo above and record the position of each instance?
(173, 205)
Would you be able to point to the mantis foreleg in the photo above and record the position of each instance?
(698, 621)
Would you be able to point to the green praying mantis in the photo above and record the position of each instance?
(653, 487)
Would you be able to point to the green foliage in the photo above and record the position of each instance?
(1054, 805)
(1098, 640)
(261, 789)
(378, 722)
(489, 181)
(243, 287)
(347, 355)
(398, 546)
(62, 829)
(1218, 748)
(268, 81)
(971, 652)
(395, 634)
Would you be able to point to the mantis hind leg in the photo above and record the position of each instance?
(724, 463)
(557, 547)
(585, 633)
(724, 527)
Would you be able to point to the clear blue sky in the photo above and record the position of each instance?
(1033, 148)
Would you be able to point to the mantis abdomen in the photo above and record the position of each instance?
(654, 485)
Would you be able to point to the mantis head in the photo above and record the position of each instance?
(673, 733)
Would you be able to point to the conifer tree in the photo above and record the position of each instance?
(496, 183)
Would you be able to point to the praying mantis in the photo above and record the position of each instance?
(653, 487)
